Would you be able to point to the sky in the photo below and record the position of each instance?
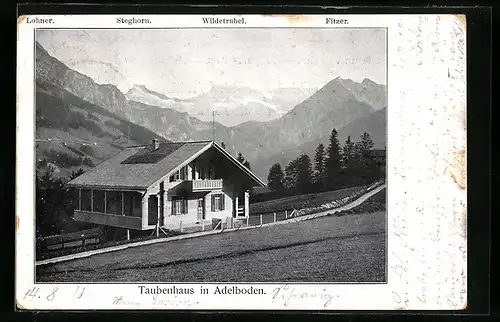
(185, 62)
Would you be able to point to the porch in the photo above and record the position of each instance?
(123, 209)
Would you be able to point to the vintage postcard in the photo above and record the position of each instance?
(241, 162)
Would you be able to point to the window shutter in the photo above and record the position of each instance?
(212, 204)
(185, 206)
(222, 203)
(174, 206)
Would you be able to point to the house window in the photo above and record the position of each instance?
(179, 205)
(218, 203)
(114, 203)
(86, 200)
(132, 204)
(99, 201)
(180, 175)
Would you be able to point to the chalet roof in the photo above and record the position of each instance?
(115, 173)
(141, 166)
(150, 155)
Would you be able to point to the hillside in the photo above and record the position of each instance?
(373, 123)
(333, 106)
(52, 71)
(177, 126)
(73, 133)
(68, 85)
(288, 97)
(368, 92)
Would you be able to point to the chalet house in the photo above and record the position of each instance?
(172, 184)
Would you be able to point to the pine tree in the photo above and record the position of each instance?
(357, 168)
(366, 166)
(348, 160)
(52, 203)
(366, 142)
(348, 153)
(291, 174)
(304, 175)
(275, 179)
(240, 158)
(76, 173)
(319, 165)
(333, 161)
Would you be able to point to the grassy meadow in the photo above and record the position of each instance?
(328, 249)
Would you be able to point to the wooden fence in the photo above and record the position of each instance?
(272, 217)
(69, 240)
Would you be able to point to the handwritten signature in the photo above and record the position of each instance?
(155, 300)
(289, 294)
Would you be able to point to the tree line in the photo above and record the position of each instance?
(54, 202)
(333, 167)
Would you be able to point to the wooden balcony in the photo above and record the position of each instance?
(207, 184)
(108, 219)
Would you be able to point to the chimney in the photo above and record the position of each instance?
(156, 144)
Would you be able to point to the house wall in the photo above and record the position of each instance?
(173, 221)
(234, 185)
(228, 191)
(191, 218)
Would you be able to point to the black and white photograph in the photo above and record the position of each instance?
(249, 155)
(242, 162)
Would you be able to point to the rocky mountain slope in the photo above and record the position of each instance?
(367, 91)
(72, 133)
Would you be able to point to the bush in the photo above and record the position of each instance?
(54, 204)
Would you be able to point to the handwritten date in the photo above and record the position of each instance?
(36, 293)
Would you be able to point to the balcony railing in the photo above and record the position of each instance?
(208, 184)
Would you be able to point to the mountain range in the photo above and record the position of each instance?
(231, 105)
(265, 128)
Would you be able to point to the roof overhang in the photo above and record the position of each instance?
(247, 171)
(183, 164)
(103, 187)
(239, 164)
